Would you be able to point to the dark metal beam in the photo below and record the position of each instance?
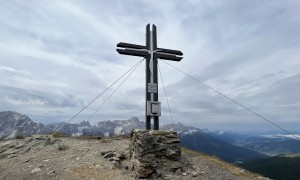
(132, 52)
(150, 50)
(169, 57)
(128, 45)
(148, 78)
(170, 51)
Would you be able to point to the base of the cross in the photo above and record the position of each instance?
(155, 154)
(148, 123)
(155, 123)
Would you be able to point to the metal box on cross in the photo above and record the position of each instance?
(151, 53)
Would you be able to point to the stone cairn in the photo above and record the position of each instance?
(155, 154)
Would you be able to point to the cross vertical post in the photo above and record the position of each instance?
(151, 53)
(148, 78)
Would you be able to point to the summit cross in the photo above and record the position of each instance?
(151, 53)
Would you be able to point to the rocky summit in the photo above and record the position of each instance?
(153, 154)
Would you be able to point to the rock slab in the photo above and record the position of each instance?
(155, 154)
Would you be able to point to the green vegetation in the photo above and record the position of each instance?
(279, 167)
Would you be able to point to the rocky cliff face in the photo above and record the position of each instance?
(118, 127)
(10, 122)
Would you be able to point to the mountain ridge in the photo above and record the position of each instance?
(207, 143)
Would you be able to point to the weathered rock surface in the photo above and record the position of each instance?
(14, 148)
(45, 157)
(155, 153)
(12, 124)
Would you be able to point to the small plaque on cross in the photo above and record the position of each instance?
(152, 88)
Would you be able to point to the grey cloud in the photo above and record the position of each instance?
(195, 104)
(47, 99)
(279, 100)
(284, 91)
(242, 33)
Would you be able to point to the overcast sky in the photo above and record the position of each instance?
(56, 56)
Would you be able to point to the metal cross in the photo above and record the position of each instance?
(151, 53)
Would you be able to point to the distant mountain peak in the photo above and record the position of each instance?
(10, 121)
(85, 123)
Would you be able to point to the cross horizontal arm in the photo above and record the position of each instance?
(132, 52)
(168, 56)
(128, 45)
(170, 51)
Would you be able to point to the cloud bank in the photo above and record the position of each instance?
(56, 56)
